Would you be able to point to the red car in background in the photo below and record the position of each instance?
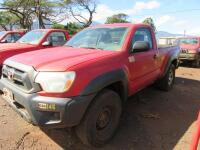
(190, 50)
(10, 36)
(34, 40)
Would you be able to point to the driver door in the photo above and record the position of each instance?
(56, 39)
(142, 65)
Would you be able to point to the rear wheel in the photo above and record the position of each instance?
(101, 120)
(167, 82)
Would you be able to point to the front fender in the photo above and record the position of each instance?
(105, 80)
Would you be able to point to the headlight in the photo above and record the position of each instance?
(55, 82)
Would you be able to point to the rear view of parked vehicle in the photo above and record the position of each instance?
(34, 40)
(10, 36)
(84, 83)
(190, 50)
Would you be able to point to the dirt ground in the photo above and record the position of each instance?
(156, 121)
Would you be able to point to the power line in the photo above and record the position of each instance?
(171, 12)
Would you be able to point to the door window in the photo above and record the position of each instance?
(57, 38)
(143, 34)
(10, 38)
(16, 36)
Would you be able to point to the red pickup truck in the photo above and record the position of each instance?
(84, 83)
(190, 50)
(34, 40)
(10, 36)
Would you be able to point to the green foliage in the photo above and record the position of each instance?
(72, 28)
(28, 10)
(22, 9)
(58, 26)
(149, 21)
(8, 20)
(49, 11)
(118, 18)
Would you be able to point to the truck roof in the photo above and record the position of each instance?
(48, 30)
(120, 25)
(188, 37)
(12, 31)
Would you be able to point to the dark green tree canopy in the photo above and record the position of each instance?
(118, 18)
(150, 22)
(72, 28)
(8, 20)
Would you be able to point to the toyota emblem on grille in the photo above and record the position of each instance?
(11, 74)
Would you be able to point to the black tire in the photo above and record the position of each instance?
(167, 82)
(196, 63)
(101, 120)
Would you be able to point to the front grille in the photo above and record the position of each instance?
(21, 78)
(184, 50)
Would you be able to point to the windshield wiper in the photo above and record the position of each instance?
(69, 46)
(22, 41)
(92, 48)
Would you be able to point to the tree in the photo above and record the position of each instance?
(118, 18)
(28, 10)
(58, 26)
(149, 21)
(81, 10)
(48, 11)
(7, 20)
(72, 28)
(22, 9)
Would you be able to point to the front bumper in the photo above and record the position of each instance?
(47, 111)
(188, 56)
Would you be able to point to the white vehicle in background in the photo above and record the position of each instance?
(167, 41)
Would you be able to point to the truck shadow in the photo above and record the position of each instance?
(152, 120)
(187, 65)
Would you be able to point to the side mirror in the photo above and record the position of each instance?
(140, 46)
(4, 41)
(47, 43)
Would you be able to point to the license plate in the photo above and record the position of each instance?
(7, 94)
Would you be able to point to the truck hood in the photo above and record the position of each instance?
(59, 58)
(189, 47)
(15, 46)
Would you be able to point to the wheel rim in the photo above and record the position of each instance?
(103, 119)
(171, 77)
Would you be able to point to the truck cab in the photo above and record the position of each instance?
(10, 36)
(85, 83)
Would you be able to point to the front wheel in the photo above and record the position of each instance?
(101, 120)
(196, 63)
(167, 82)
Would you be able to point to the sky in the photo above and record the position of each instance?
(173, 16)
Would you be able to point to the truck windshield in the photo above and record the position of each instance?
(2, 33)
(32, 37)
(106, 38)
(189, 41)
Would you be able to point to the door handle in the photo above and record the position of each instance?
(156, 56)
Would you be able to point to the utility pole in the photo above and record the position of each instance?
(184, 33)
